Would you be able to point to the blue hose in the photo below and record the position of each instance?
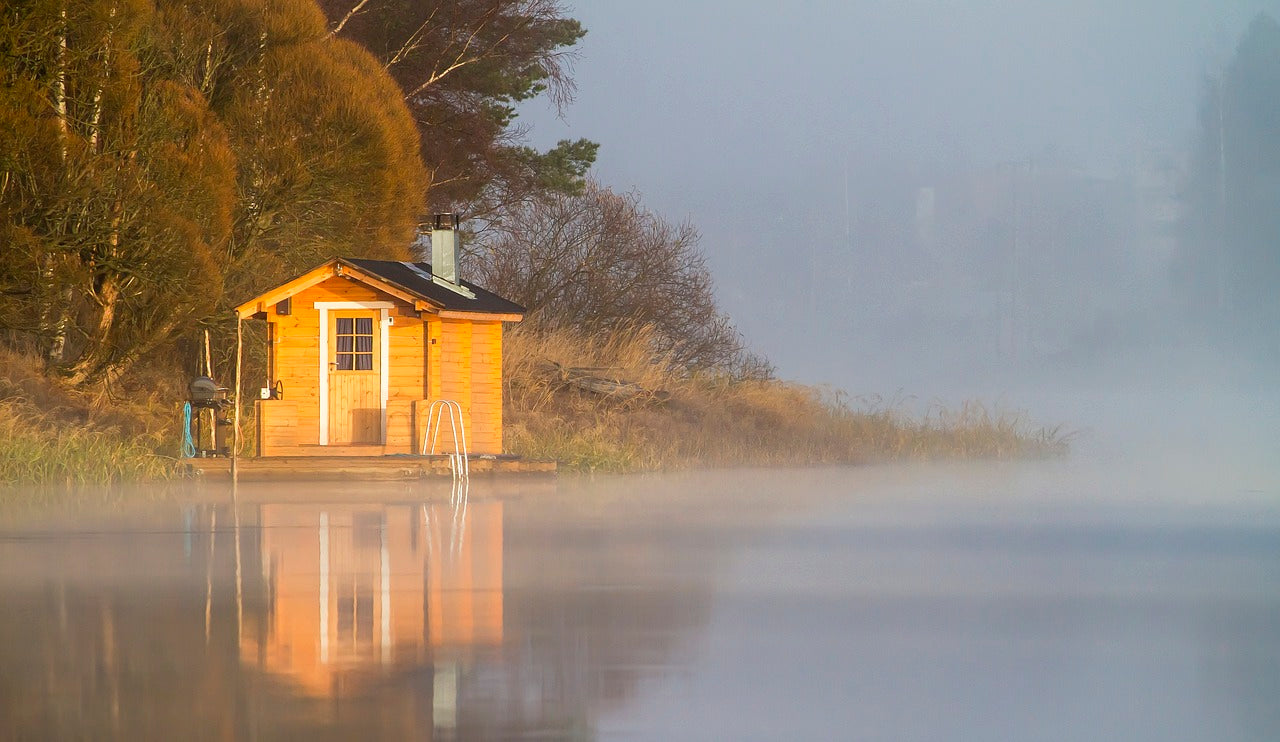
(188, 445)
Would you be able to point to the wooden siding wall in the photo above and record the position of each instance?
(486, 386)
(295, 356)
(406, 378)
(466, 366)
(454, 353)
(277, 424)
(457, 359)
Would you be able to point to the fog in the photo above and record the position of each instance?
(918, 201)
(930, 200)
(1019, 601)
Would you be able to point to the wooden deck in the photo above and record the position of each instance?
(364, 468)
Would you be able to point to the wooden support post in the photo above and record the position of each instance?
(235, 479)
(235, 435)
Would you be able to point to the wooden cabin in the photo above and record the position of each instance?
(360, 349)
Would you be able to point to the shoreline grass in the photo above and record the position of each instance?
(688, 420)
(672, 419)
(34, 451)
(51, 436)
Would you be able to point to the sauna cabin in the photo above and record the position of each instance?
(360, 349)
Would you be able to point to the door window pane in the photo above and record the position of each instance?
(353, 346)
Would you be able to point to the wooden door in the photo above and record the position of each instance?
(355, 390)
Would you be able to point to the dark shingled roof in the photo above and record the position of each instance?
(419, 282)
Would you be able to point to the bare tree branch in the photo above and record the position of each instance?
(413, 43)
(601, 261)
(461, 59)
(337, 29)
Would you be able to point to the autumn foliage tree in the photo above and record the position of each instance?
(328, 154)
(117, 188)
(161, 160)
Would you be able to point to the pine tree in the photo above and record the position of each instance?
(1230, 263)
(463, 66)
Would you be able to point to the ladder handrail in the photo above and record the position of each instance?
(459, 462)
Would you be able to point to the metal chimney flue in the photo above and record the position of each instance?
(444, 247)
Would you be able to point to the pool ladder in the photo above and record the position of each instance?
(458, 460)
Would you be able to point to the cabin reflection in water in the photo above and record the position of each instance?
(491, 620)
(354, 589)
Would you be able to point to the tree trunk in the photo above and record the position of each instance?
(54, 315)
(95, 116)
(60, 81)
(87, 366)
(108, 372)
(108, 297)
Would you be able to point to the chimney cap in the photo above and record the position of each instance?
(445, 221)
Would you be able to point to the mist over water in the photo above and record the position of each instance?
(1051, 600)
(932, 202)
(865, 177)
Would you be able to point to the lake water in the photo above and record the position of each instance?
(1045, 601)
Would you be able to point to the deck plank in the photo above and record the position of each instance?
(369, 468)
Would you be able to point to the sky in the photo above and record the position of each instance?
(735, 115)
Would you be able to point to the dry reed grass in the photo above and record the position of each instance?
(684, 419)
(52, 435)
(669, 419)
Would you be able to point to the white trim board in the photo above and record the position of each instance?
(384, 358)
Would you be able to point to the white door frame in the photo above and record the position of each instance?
(384, 358)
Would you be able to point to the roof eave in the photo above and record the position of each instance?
(329, 269)
(287, 289)
(482, 316)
